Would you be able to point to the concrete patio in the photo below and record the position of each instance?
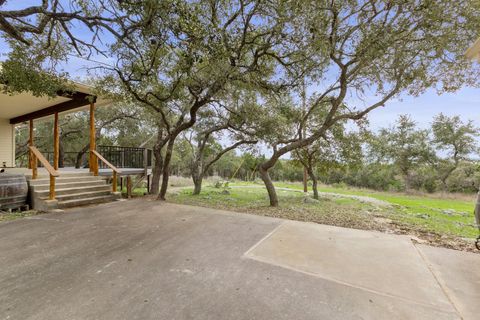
(142, 259)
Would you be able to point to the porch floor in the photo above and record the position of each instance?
(42, 172)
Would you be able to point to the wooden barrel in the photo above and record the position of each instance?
(13, 190)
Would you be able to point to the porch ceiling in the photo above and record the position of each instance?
(24, 106)
(24, 103)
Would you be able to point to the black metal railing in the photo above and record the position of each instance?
(120, 157)
(126, 157)
(68, 159)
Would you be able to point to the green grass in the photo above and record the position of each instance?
(136, 192)
(443, 216)
(448, 217)
(7, 216)
(341, 212)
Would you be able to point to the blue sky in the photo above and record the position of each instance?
(465, 103)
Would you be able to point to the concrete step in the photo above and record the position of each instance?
(64, 185)
(61, 179)
(86, 201)
(74, 190)
(81, 195)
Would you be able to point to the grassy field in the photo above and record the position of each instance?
(442, 215)
(448, 222)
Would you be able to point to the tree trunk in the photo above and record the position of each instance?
(312, 176)
(445, 177)
(406, 178)
(272, 194)
(158, 163)
(61, 155)
(78, 161)
(197, 182)
(197, 175)
(166, 169)
(156, 172)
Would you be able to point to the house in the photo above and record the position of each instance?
(26, 108)
(49, 186)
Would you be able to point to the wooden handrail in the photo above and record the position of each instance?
(115, 170)
(111, 166)
(38, 156)
(44, 161)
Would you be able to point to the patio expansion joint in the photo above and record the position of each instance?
(249, 254)
(450, 297)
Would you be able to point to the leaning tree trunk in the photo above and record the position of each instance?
(166, 169)
(272, 194)
(158, 164)
(157, 169)
(61, 155)
(78, 160)
(312, 176)
(156, 173)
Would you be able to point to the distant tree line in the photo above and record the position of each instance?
(402, 157)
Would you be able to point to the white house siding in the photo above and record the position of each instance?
(7, 144)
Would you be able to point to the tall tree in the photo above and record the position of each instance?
(337, 148)
(382, 48)
(44, 33)
(54, 23)
(404, 145)
(455, 137)
(191, 52)
(234, 123)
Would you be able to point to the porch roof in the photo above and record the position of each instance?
(25, 106)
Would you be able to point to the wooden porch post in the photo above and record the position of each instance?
(93, 162)
(129, 187)
(56, 148)
(30, 143)
(56, 142)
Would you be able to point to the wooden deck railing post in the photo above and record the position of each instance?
(114, 182)
(34, 166)
(129, 187)
(115, 170)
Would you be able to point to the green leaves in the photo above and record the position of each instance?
(21, 74)
(455, 136)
